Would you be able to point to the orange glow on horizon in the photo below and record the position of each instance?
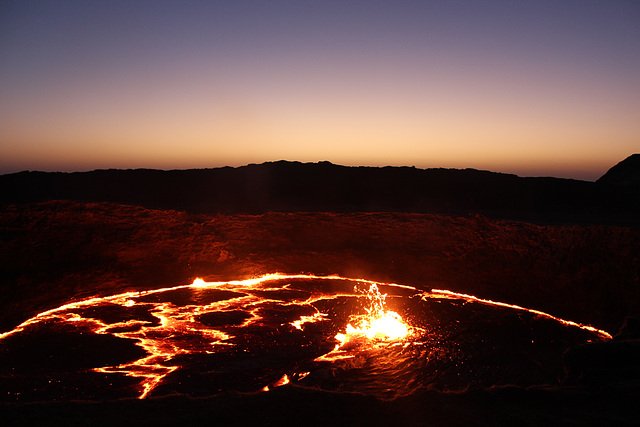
(415, 123)
(409, 84)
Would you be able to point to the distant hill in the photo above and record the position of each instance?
(293, 186)
(627, 172)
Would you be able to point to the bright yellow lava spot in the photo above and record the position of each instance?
(378, 323)
(388, 325)
(199, 283)
(308, 319)
(282, 381)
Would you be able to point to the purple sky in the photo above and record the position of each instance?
(533, 88)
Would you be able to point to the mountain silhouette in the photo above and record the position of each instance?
(285, 186)
(627, 172)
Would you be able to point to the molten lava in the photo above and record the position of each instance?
(274, 330)
(378, 323)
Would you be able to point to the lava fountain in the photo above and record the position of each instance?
(330, 333)
(377, 325)
(377, 322)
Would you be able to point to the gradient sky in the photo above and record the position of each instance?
(533, 88)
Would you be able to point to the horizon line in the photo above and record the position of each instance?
(71, 170)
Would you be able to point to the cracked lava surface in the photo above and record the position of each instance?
(324, 332)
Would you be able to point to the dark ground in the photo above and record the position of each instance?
(288, 405)
(569, 248)
(54, 252)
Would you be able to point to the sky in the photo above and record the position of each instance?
(539, 88)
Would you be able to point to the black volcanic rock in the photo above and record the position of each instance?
(627, 172)
(293, 187)
(52, 253)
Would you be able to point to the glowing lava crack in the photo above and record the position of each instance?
(332, 333)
